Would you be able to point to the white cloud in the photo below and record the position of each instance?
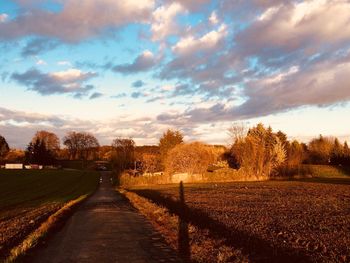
(64, 63)
(41, 62)
(210, 40)
(281, 76)
(68, 75)
(143, 62)
(213, 19)
(78, 20)
(267, 15)
(310, 24)
(324, 83)
(167, 87)
(3, 18)
(69, 81)
(163, 20)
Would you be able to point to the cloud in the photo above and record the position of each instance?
(41, 62)
(138, 84)
(38, 45)
(76, 21)
(209, 41)
(322, 84)
(120, 95)
(143, 62)
(191, 5)
(163, 20)
(64, 63)
(136, 94)
(70, 81)
(3, 18)
(213, 19)
(275, 36)
(201, 62)
(24, 117)
(310, 25)
(154, 99)
(12, 122)
(96, 95)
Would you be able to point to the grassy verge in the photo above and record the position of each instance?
(220, 175)
(232, 175)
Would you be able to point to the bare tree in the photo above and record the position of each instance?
(150, 162)
(237, 132)
(320, 150)
(189, 158)
(49, 139)
(81, 145)
(123, 153)
(168, 141)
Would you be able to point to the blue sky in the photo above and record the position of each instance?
(137, 67)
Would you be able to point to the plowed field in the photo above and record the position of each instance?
(276, 221)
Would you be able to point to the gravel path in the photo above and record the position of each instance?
(106, 228)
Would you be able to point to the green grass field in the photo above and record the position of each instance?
(329, 171)
(29, 197)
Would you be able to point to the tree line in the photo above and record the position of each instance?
(44, 148)
(262, 152)
(259, 151)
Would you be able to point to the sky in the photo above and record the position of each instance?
(135, 68)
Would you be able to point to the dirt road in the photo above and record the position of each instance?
(106, 229)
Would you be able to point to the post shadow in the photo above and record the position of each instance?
(256, 248)
(183, 237)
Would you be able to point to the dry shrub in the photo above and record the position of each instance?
(123, 153)
(168, 141)
(192, 158)
(151, 163)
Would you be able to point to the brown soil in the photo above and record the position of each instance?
(17, 223)
(268, 221)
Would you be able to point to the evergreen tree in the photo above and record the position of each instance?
(337, 154)
(168, 141)
(37, 153)
(4, 147)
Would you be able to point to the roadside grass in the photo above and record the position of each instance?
(29, 197)
(312, 173)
